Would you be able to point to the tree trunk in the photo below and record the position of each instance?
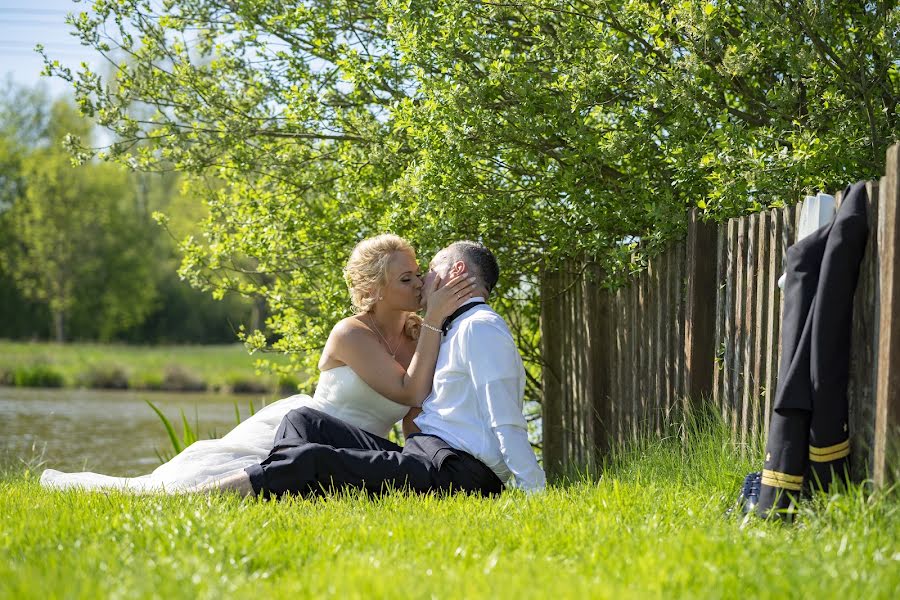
(59, 326)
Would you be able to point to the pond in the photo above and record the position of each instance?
(115, 433)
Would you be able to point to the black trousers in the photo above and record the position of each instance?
(315, 454)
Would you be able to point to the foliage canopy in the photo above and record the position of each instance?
(547, 129)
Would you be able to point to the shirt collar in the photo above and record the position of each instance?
(472, 303)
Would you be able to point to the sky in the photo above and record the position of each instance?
(24, 23)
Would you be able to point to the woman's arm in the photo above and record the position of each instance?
(409, 424)
(360, 349)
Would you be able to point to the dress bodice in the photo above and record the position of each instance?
(343, 394)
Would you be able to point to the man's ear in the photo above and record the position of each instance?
(457, 268)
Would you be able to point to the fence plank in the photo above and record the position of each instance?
(887, 407)
(571, 380)
(739, 326)
(680, 254)
(643, 331)
(699, 328)
(864, 350)
(729, 337)
(650, 315)
(718, 337)
(763, 266)
(773, 318)
(552, 350)
(601, 352)
(749, 326)
(634, 348)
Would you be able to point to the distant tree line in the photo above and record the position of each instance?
(80, 257)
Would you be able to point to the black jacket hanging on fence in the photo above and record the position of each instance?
(809, 440)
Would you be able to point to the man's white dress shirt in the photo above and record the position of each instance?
(475, 403)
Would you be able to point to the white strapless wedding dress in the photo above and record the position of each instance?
(340, 393)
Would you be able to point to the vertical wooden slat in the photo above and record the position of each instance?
(788, 233)
(659, 341)
(566, 305)
(763, 266)
(749, 325)
(699, 331)
(589, 390)
(887, 404)
(614, 360)
(680, 389)
(576, 378)
(635, 349)
(551, 348)
(669, 334)
(602, 354)
(576, 352)
(624, 365)
(649, 318)
(642, 351)
(739, 326)
(719, 338)
(773, 319)
(864, 349)
(729, 335)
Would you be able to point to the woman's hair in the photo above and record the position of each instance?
(366, 272)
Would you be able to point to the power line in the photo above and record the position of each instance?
(33, 11)
(46, 43)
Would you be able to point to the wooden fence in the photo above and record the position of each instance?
(702, 323)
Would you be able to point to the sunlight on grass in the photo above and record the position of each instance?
(653, 525)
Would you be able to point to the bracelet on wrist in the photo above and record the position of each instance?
(431, 327)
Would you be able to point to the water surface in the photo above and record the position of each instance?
(109, 432)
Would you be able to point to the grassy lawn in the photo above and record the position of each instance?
(142, 367)
(652, 526)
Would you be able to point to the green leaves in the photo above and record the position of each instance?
(549, 130)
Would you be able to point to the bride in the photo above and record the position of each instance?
(376, 369)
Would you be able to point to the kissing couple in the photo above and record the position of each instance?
(453, 376)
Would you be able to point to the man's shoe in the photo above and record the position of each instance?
(749, 494)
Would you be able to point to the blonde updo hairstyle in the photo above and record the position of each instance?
(366, 272)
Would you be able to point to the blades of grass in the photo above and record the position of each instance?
(237, 414)
(163, 457)
(252, 410)
(176, 445)
(190, 435)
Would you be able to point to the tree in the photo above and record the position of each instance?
(548, 129)
(73, 239)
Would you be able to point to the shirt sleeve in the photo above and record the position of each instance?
(499, 380)
(519, 458)
(497, 373)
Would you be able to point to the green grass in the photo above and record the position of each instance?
(140, 367)
(652, 526)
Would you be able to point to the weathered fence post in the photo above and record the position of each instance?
(598, 351)
(699, 317)
(551, 351)
(887, 407)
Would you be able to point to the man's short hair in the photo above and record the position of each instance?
(478, 258)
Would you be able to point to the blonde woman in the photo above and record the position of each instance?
(376, 366)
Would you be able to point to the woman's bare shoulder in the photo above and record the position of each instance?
(349, 328)
(346, 332)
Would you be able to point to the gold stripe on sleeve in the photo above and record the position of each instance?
(822, 458)
(782, 480)
(845, 445)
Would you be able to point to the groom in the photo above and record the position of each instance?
(473, 434)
